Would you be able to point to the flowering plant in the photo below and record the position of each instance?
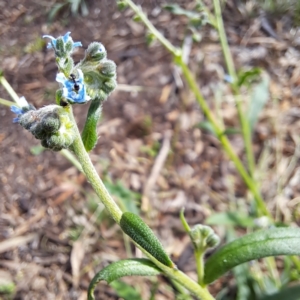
(91, 81)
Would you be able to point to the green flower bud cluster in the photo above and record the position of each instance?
(50, 124)
(203, 237)
(99, 72)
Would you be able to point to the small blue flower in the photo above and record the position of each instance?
(65, 38)
(228, 78)
(74, 90)
(25, 107)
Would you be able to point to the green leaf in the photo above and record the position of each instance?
(206, 125)
(125, 291)
(249, 76)
(230, 218)
(259, 98)
(140, 232)
(84, 9)
(55, 10)
(231, 130)
(291, 293)
(36, 150)
(263, 243)
(89, 134)
(121, 268)
(177, 10)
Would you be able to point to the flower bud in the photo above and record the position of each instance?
(50, 124)
(107, 68)
(94, 53)
(203, 237)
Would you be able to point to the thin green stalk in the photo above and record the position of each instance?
(246, 131)
(71, 158)
(9, 89)
(262, 209)
(199, 258)
(175, 51)
(6, 102)
(223, 139)
(116, 213)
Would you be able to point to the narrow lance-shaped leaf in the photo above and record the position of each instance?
(121, 268)
(263, 243)
(89, 133)
(258, 100)
(291, 293)
(140, 232)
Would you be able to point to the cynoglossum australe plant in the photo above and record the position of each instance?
(90, 81)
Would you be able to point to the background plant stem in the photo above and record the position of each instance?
(261, 207)
(9, 89)
(246, 132)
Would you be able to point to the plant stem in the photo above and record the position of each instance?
(223, 139)
(199, 258)
(262, 209)
(175, 51)
(246, 131)
(116, 213)
(71, 158)
(9, 89)
(6, 102)
(93, 177)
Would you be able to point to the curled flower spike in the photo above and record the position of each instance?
(66, 38)
(25, 107)
(74, 90)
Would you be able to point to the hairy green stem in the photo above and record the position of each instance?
(93, 177)
(246, 132)
(116, 213)
(199, 258)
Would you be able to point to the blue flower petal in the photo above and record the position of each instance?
(73, 95)
(52, 43)
(77, 44)
(16, 110)
(21, 110)
(66, 36)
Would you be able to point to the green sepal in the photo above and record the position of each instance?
(263, 243)
(58, 96)
(51, 123)
(109, 85)
(68, 65)
(121, 268)
(59, 47)
(69, 46)
(94, 53)
(140, 232)
(107, 68)
(89, 134)
(98, 85)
